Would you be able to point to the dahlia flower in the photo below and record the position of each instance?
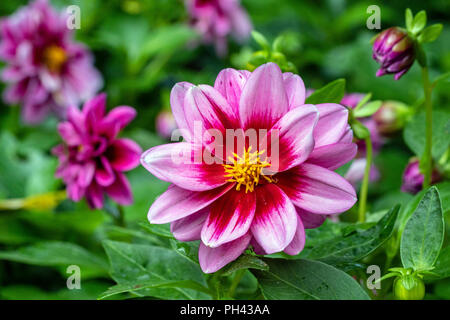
(45, 69)
(394, 50)
(216, 19)
(92, 159)
(238, 194)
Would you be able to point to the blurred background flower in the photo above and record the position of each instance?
(92, 158)
(46, 69)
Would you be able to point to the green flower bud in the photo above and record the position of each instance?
(409, 287)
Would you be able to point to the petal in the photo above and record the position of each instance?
(117, 119)
(295, 89)
(275, 220)
(104, 174)
(207, 109)
(310, 220)
(76, 118)
(190, 227)
(94, 109)
(69, 134)
(317, 190)
(120, 190)
(177, 203)
(213, 259)
(124, 154)
(332, 124)
(263, 100)
(182, 164)
(94, 196)
(291, 138)
(298, 242)
(177, 96)
(86, 174)
(229, 83)
(230, 218)
(333, 156)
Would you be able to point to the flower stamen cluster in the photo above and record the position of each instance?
(247, 169)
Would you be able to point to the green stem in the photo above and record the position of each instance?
(236, 280)
(121, 217)
(426, 159)
(365, 182)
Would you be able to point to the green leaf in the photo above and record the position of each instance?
(152, 284)
(431, 33)
(414, 133)
(355, 245)
(132, 263)
(424, 233)
(162, 230)
(442, 266)
(419, 22)
(367, 109)
(363, 101)
(442, 77)
(409, 19)
(307, 280)
(333, 92)
(55, 253)
(186, 249)
(245, 261)
(261, 40)
(360, 131)
(89, 291)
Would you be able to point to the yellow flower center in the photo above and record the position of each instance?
(54, 58)
(246, 170)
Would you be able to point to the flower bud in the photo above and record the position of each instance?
(413, 178)
(394, 50)
(391, 117)
(409, 287)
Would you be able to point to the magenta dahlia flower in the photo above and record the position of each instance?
(45, 69)
(216, 19)
(243, 193)
(92, 159)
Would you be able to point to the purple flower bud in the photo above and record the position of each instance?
(413, 178)
(394, 50)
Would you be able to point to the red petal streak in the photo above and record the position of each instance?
(229, 219)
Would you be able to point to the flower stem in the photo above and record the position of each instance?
(236, 280)
(121, 217)
(426, 161)
(365, 182)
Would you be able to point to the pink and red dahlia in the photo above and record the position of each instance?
(45, 69)
(252, 197)
(216, 19)
(92, 158)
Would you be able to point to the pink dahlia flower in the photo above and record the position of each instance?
(216, 19)
(45, 69)
(92, 159)
(251, 196)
